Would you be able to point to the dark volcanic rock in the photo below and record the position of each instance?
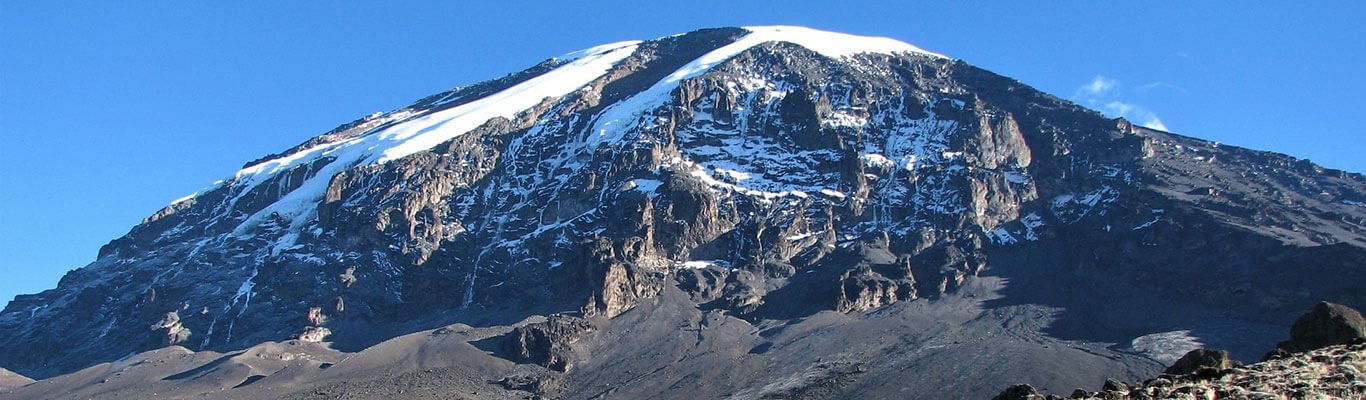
(1199, 360)
(540, 385)
(546, 343)
(1019, 392)
(1326, 325)
(861, 289)
(1112, 385)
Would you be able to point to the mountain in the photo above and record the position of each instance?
(743, 212)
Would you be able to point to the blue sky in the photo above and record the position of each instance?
(108, 111)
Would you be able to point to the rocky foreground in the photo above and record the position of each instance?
(1313, 364)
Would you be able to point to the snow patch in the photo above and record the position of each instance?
(877, 161)
(844, 120)
(831, 44)
(700, 264)
(1001, 236)
(596, 50)
(1071, 208)
(733, 175)
(645, 185)
(1166, 347)
(1018, 178)
(418, 134)
(1157, 216)
(706, 177)
(910, 162)
(1031, 222)
(216, 184)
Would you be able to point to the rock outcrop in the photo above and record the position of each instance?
(542, 386)
(547, 343)
(1202, 361)
(862, 289)
(1327, 324)
(1020, 392)
(169, 331)
(314, 334)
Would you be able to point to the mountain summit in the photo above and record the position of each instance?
(743, 212)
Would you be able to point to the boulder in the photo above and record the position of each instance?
(1200, 361)
(1326, 325)
(169, 331)
(1019, 392)
(314, 334)
(541, 385)
(316, 316)
(1112, 385)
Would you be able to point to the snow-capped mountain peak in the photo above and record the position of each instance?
(404, 132)
(749, 178)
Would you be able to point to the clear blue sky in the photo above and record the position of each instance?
(108, 111)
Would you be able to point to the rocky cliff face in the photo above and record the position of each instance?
(769, 173)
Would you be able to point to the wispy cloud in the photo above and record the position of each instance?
(1136, 113)
(1161, 85)
(1105, 94)
(1099, 86)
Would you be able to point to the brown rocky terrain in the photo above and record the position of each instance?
(1333, 372)
(1323, 359)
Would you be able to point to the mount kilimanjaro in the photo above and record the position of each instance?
(760, 212)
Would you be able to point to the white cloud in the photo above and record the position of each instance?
(1152, 122)
(1134, 112)
(1099, 86)
(1104, 95)
(1119, 108)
